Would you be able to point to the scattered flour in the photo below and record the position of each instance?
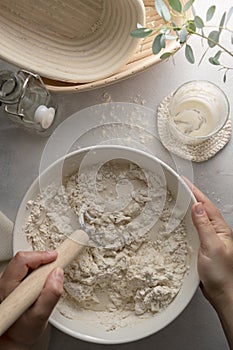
(138, 99)
(137, 266)
(106, 97)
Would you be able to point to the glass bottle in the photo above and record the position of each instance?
(27, 101)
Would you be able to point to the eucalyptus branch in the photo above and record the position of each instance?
(214, 43)
(221, 28)
(223, 67)
(173, 10)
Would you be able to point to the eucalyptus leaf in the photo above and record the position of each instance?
(191, 27)
(230, 13)
(199, 22)
(210, 13)
(183, 35)
(163, 41)
(165, 55)
(203, 35)
(175, 5)
(162, 10)
(213, 38)
(222, 22)
(214, 61)
(218, 54)
(193, 11)
(141, 32)
(170, 37)
(189, 54)
(188, 5)
(156, 46)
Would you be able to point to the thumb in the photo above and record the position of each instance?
(207, 234)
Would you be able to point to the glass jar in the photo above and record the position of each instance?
(197, 111)
(27, 101)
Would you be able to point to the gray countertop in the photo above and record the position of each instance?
(198, 326)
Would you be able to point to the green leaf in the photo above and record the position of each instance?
(165, 55)
(222, 22)
(162, 10)
(193, 11)
(203, 35)
(156, 46)
(189, 54)
(183, 35)
(175, 5)
(218, 54)
(210, 13)
(188, 5)
(214, 61)
(213, 38)
(170, 37)
(163, 41)
(191, 27)
(230, 13)
(199, 22)
(141, 32)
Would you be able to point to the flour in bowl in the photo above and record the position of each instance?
(136, 265)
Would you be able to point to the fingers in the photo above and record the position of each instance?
(213, 213)
(48, 298)
(19, 266)
(205, 229)
(210, 208)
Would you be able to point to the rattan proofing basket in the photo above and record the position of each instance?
(69, 40)
(140, 60)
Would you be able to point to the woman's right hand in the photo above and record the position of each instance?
(215, 263)
(215, 258)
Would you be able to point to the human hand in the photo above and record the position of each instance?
(27, 330)
(215, 257)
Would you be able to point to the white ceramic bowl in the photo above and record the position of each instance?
(184, 199)
(72, 41)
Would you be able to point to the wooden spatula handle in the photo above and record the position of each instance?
(29, 289)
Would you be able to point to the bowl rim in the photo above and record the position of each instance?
(52, 319)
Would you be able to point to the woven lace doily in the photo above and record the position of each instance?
(197, 153)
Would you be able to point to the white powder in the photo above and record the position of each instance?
(139, 266)
(106, 97)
